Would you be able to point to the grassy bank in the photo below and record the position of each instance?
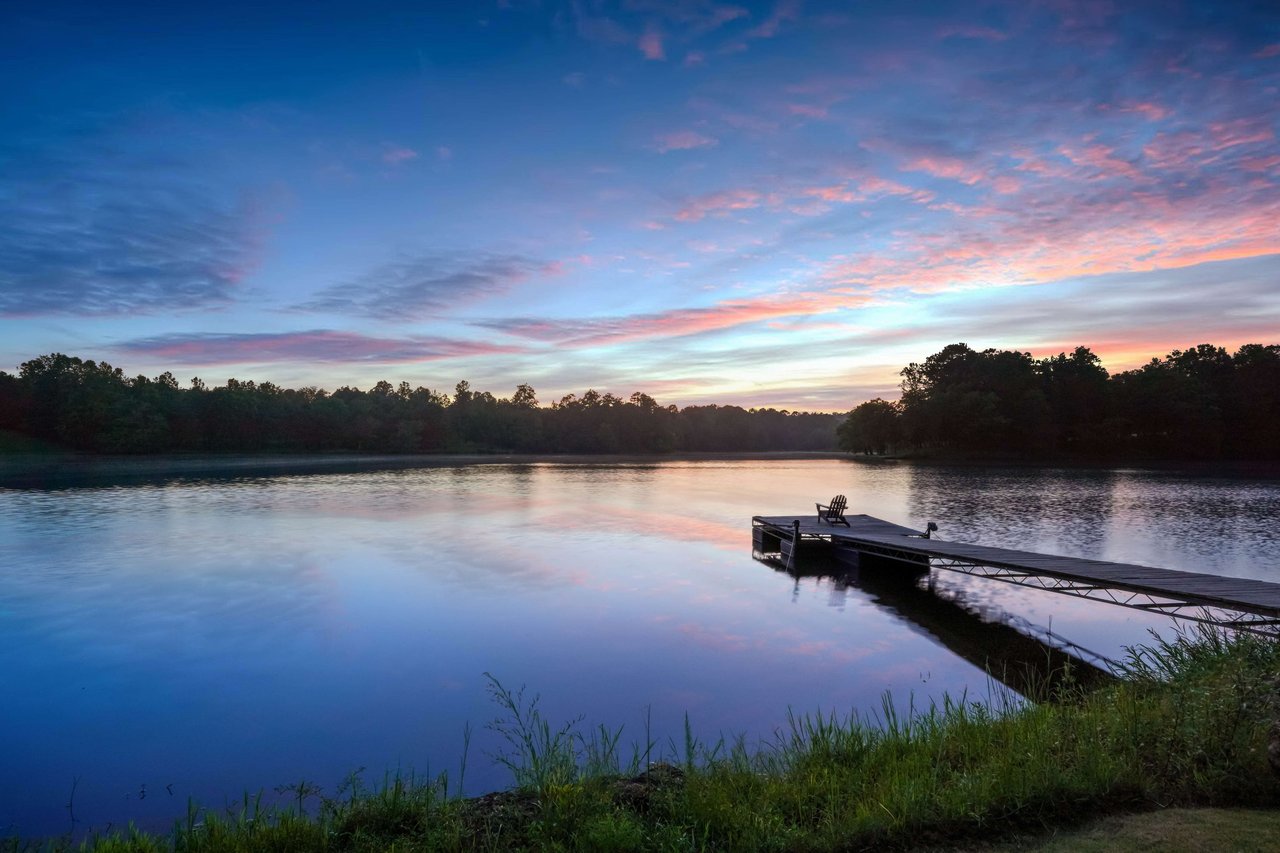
(1190, 726)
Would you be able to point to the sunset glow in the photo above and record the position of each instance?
(763, 204)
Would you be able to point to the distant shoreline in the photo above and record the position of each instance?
(22, 467)
(34, 470)
(1263, 468)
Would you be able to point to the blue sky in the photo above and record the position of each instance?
(764, 204)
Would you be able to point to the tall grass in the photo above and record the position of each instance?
(541, 756)
(1188, 725)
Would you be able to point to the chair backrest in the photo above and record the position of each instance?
(838, 503)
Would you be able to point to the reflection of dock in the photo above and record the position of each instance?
(1239, 603)
(1027, 658)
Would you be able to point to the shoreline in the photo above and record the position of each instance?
(23, 466)
(33, 470)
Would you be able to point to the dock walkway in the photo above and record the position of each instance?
(1240, 603)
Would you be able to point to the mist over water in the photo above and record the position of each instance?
(200, 636)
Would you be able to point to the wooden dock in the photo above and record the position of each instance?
(1239, 603)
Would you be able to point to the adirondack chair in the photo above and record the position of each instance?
(833, 513)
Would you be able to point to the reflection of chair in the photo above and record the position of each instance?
(833, 513)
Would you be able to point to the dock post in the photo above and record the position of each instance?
(795, 544)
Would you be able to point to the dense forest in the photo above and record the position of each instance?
(92, 406)
(1201, 403)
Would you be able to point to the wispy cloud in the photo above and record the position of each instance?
(394, 155)
(317, 345)
(424, 285)
(784, 12)
(105, 233)
(650, 25)
(850, 187)
(1091, 206)
(722, 203)
(946, 167)
(683, 140)
(676, 322)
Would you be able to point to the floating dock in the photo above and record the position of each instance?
(1238, 603)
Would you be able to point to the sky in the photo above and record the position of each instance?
(765, 204)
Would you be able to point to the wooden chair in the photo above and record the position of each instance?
(833, 513)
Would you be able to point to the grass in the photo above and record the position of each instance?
(1188, 726)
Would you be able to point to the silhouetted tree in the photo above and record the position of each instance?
(872, 427)
(1195, 403)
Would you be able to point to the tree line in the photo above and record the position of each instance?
(92, 406)
(1200, 403)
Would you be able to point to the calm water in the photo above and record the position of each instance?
(200, 637)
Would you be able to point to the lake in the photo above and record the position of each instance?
(199, 635)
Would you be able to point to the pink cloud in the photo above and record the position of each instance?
(694, 58)
(1006, 184)
(1270, 163)
(1268, 52)
(1040, 166)
(676, 322)
(720, 203)
(875, 185)
(683, 140)
(1245, 131)
(1188, 149)
(820, 199)
(394, 155)
(1054, 238)
(650, 44)
(841, 194)
(804, 201)
(1102, 160)
(952, 168)
(1148, 109)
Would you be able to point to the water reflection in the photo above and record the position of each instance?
(1029, 659)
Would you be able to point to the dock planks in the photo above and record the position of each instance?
(875, 535)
